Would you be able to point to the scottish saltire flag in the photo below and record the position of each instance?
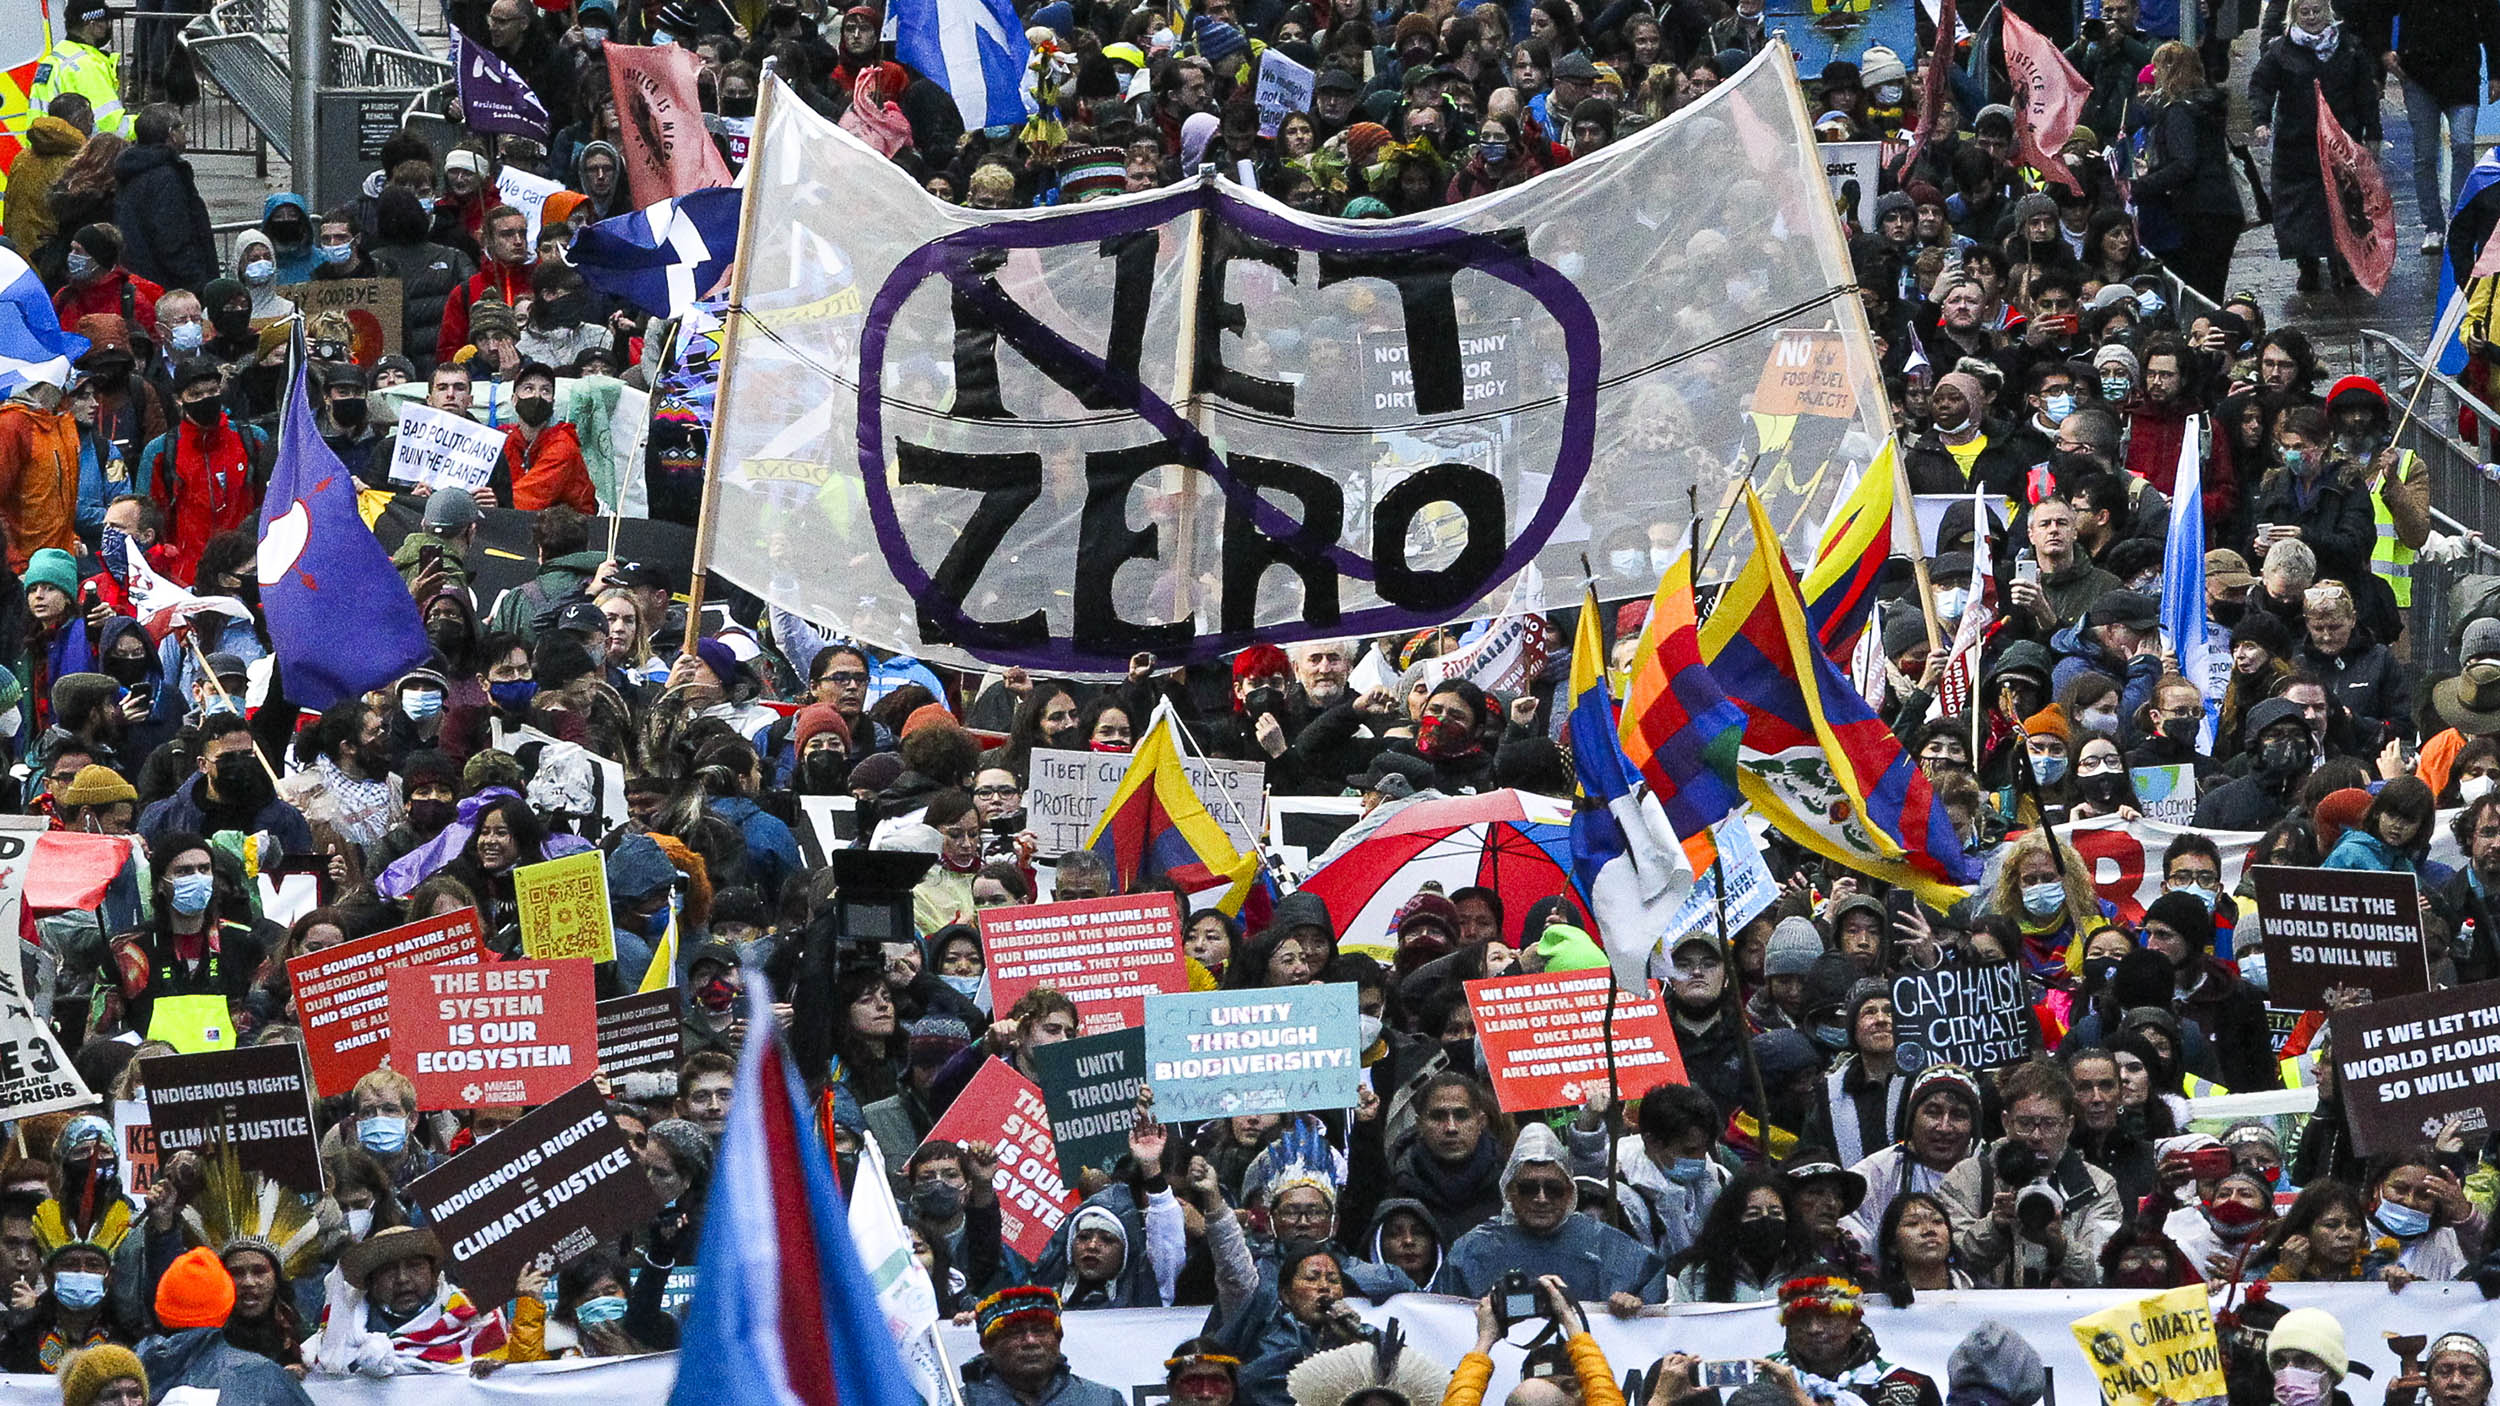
(2183, 583)
(2470, 226)
(1679, 730)
(1817, 762)
(341, 621)
(974, 49)
(1624, 855)
(494, 97)
(32, 345)
(1155, 830)
(783, 1314)
(662, 258)
(1867, 528)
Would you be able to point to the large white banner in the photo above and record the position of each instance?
(1179, 421)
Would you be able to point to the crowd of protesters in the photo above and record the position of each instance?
(2033, 346)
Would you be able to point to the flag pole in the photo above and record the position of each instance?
(707, 517)
(191, 637)
(1902, 501)
(1185, 397)
(1735, 1008)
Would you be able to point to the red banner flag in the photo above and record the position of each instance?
(2358, 208)
(660, 120)
(2048, 99)
(1938, 83)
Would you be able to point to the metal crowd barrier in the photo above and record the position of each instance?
(2465, 485)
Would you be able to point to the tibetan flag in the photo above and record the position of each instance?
(1679, 730)
(2359, 211)
(1867, 529)
(1623, 852)
(1155, 830)
(341, 621)
(784, 1313)
(1816, 761)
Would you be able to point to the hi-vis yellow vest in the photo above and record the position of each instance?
(2390, 559)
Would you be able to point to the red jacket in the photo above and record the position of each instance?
(550, 471)
(2154, 437)
(105, 296)
(511, 282)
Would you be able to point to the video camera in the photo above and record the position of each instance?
(872, 906)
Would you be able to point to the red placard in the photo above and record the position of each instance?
(1106, 954)
(1544, 1038)
(495, 1032)
(1003, 1108)
(342, 993)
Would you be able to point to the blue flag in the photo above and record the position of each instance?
(974, 49)
(32, 345)
(663, 257)
(2183, 583)
(341, 622)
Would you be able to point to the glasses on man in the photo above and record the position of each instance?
(847, 678)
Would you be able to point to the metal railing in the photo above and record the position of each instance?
(2464, 485)
(241, 46)
(213, 125)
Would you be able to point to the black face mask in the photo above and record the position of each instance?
(1265, 700)
(822, 774)
(112, 376)
(1761, 1237)
(2180, 730)
(241, 784)
(125, 671)
(203, 413)
(449, 636)
(2097, 971)
(348, 414)
(534, 410)
(2283, 758)
(232, 322)
(429, 817)
(737, 107)
(1461, 1054)
(2106, 788)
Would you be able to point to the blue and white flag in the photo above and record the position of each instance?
(32, 345)
(2183, 580)
(494, 97)
(974, 49)
(664, 257)
(1624, 854)
(320, 566)
(2470, 226)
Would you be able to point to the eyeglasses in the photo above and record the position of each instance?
(2028, 1126)
(996, 792)
(848, 678)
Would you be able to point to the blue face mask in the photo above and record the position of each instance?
(2403, 1222)
(77, 1290)
(2204, 893)
(514, 694)
(420, 706)
(2050, 770)
(188, 336)
(192, 892)
(1688, 1171)
(335, 253)
(382, 1135)
(1495, 153)
(220, 703)
(2296, 460)
(2042, 899)
(2057, 405)
(80, 266)
(607, 1308)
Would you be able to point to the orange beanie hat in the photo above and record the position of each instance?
(196, 1292)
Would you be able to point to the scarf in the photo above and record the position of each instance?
(449, 1332)
(1449, 1189)
(2322, 43)
(364, 807)
(68, 653)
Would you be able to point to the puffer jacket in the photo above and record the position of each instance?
(38, 481)
(26, 213)
(164, 223)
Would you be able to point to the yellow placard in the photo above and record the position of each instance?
(564, 908)
(2154, 1350)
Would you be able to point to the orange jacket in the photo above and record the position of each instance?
(38, 481)
(1598, 1386)
(550, 471)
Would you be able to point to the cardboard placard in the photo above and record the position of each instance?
(1105, 954)
(1854, 171)
(258, 1100)
(2359, 929)
(1068, 789)
(1544, 1038)
(440, 450)
(2155, 1350)
(1001, 1107)
(564, 908)
(527, 194)
(640, 1032)
(1807, 373)
(1977, 1017)
(1223, 1054)
(136, 1137)
(342, 993)
(2409, 1064)
(548, 1190)
(373, 307)
(498, 1032)
(1090, 1086)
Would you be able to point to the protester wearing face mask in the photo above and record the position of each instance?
(2305, 1356)
(201, 472)
(76, 1310)
(181, 979)
(713, 1020)
(255, 265)
(2282, 752)
(642, 903)
(384, 1124)
(542, 456)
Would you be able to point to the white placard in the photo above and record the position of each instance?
(527, 194)
(1068, 789)
(438, 449)
(1862, 162)
(1284, 86)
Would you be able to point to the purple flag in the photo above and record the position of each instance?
(493, 98)
(341, 621)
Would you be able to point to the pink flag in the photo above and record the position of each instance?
(872, 116)
(2358, 209)
(667, 152)
(2048, 98)
(1939, 80)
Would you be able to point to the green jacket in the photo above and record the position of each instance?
(566, 575)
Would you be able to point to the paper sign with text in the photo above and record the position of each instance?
(438, 449)
(564, 908)
(137, 1139)
(258, 1099)
(1284, 86)
(342, 993)
(2410, 1063)
(498, 1032)
(1068, 789)
(1807, 373)
(1750, 889)
(1545, 1045)
(1106, 954)
(640, 1032)
(35, 1072)
(1002, 1108)
(1090, 1085)
(2166, 793)
(2360, 929)
(548, 1189)
(2154, 1351)
(372, 306)
(1978, 1017)
(1225, 1054)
